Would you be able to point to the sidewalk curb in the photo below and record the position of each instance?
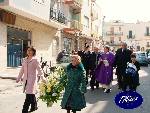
(11, 78)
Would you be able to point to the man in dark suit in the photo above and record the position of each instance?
(94, 62)
(121, 58)
(85, 58)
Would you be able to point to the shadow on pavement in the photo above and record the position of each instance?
(100, 102)
(98, 95)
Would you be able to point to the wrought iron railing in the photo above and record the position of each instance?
(114, 33)
(148, 45)
(147, 34)
(58, 16)
(113, 43)
(75, 24)
(131, 37)
(79, 2)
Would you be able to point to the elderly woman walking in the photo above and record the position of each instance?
(29, 75)
(104, 71)
(73, 98)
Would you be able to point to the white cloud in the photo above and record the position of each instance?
(127, 10)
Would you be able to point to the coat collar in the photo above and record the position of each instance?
(79, 66)
(123, 49)
(26, 59)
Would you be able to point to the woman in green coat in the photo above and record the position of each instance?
(73, 98)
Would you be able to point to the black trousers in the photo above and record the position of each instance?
(129, 81)
(93, 81)
(120, 80)
(30, 100)
(87, 74)
(120, 72)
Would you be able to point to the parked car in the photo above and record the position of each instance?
(142, 58)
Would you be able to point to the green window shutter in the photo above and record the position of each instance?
(130, 34)
(147, 31)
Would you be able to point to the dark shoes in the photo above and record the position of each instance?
(33, 110)
(97, 87)
(103, 89)
(107, 90)
(92, 88)
(119, 87)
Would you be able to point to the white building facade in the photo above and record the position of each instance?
(83, 21)
(136, 35)
(31, 22)
(48, 25)
(113, 33)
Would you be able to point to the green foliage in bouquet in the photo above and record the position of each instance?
(50, 91)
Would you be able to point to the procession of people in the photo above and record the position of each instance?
(96, 65)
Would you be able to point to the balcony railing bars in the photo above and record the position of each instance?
(58, 16)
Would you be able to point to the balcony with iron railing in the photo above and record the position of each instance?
(95, 34)
(148, 45)
(131, 37)
(76, 25)
(76, 5)
(58, 16)
(94, 15)
(113, 43)
(86, 30)
(147, 34)
(114, 33)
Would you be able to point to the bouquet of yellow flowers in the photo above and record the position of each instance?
(50, 91)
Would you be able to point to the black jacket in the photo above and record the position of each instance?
(121, 58)
(86, 56)
(94, 59)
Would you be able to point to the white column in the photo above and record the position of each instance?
(3, 45)
(60, 40)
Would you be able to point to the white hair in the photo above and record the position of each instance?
(124, 43)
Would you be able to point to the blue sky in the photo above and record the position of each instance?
(126, 10)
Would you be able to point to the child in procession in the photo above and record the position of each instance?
(131, 78)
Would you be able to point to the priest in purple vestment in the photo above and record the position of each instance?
(104, 71)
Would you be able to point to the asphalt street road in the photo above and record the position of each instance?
(12, 98)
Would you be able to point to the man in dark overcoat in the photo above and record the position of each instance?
(122, 56)
(94, 62)
(85, 58)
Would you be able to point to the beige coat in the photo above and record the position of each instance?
(29, 72)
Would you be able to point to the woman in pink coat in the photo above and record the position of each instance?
(29, 74)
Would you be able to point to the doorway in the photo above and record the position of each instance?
(17, 42)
